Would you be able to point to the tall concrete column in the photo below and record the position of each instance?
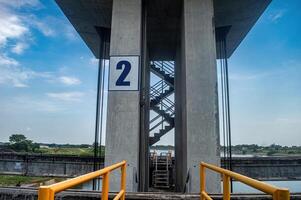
(122, 135)
(200, 88)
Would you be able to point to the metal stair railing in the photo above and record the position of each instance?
(168, 106)
(166, 66)
(160, 101)
(152, 126)
(48, 192)
(276, 192)
(156, 89)
(161, 172)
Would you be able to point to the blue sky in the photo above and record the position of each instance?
(48, 77)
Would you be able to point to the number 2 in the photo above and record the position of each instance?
(127, 68)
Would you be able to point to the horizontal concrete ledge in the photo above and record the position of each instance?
(18, 193)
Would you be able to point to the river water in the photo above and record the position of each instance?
(293, 186)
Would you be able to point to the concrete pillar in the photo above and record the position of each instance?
(122, 135)
(200, 88)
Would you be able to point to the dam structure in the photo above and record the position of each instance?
(163, 78)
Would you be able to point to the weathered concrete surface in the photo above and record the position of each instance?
(269, 168)
(7, 193)
(263, 168)
(123, 123)
(45, 165)
(201, 120)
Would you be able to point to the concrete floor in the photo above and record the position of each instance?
(13, 193)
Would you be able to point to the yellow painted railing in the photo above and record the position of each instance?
(277, 193)
(48, 192)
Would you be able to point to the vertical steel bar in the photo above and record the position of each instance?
(99, 82)
(105, 186)
(228, 109)
(44, 194)
(223, 105)
(123, 180)
(203, 179)
(226, 187)
(281, 194)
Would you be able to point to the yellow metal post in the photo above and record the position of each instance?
(203, 179)
(281, 194)
(48, 192)
(277, 193)
(123, 180)
(45, 193)
(226, 187)
(105, 186)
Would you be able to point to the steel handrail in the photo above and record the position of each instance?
(165, 66)
(277, 193)
(155, 126)
(157, 84)
(48, 192)
(155, 118)
(159, 88)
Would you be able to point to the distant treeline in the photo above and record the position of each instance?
(20, 143)
(273, 149)
(54, 145)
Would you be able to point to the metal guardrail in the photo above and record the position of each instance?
(48, 192)
(277, 193)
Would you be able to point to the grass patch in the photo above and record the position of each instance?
(69, 151)
(13, 180)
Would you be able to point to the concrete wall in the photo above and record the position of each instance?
(200, 93)
(265, 168)
(123, 123)
(269, 168)
(45, 165)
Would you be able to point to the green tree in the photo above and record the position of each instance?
(19, 142)
(16, 138)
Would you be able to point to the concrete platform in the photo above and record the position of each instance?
(13, 193)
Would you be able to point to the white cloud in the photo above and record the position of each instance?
(277, 15)
(11, 26)
(4, 61)
(237, 76)
(20, 3)
(94, 61)
(67, 80)
(44, 28)
(19, 48)
(11, 73)
(69, 32)
(16, 26)
(288, 120)
(66, 96)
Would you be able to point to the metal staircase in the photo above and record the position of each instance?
(160, 101)
(161, 173)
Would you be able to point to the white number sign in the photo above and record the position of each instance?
(124, 73)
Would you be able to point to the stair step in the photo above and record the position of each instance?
(169, 79)
(161, 172)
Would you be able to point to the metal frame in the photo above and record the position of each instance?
(48, 192)
(277, 193)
